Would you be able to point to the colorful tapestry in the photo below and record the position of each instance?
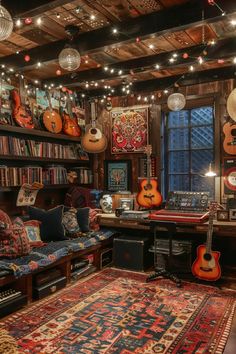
(118, 312)
(129, 129)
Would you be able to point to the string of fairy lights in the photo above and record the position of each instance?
(32, 86)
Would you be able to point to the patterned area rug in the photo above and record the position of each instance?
(115, 311)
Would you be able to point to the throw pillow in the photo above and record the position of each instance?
(17, 243)
(32, 228)
(51, 228)
(83, 218)
(93, 219)
(70, 222)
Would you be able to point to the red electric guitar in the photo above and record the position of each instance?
(20, 112)
(206, 266)
(70, 125)
(149, 196)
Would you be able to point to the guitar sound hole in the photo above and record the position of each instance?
(93, 131)
(233, 132)
(148, 187)
(207, 256)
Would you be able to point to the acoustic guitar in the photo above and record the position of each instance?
(206, 266)
(70, 125)
(20, 113)
(229, 143)
(149, 196)
(51, 119)
(93, 141)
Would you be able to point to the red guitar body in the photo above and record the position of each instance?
(229, 143)
(19, 113)
(206, 266)
(149, 196)
(70, 126)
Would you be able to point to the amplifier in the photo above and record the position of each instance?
(131, 252)
(40, 292)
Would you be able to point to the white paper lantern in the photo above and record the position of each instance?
(176, 101)
(69, 59)
(6, 23)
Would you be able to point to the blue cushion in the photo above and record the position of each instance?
(83, 218)
(51, 228)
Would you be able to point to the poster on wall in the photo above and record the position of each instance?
(5, 106)
(117, 175)
(129, 129)
(229, 175)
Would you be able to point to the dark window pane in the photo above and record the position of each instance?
(178, 139)
(203, 115)
(179, 162)
(178, 119)
(178, 182)
(203, 184)
(202, 137)
(200, 160)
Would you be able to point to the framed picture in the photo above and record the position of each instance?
(117, 175)
(129, 129)
(222, 215)
(127, 203)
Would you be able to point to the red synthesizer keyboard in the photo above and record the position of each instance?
(179, 216)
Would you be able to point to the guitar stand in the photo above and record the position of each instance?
(162, 272)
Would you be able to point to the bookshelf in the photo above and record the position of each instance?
(29, 155)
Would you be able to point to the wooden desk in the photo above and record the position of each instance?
(220, 228)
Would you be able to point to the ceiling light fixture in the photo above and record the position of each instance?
(6, 23)
(69, 58)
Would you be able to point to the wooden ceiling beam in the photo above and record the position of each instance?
(223, 49)
(25, 8)
(193, 78)
(157, 23)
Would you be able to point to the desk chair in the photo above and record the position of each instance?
(170, 227)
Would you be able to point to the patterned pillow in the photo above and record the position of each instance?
(93, 219)
(70, 222)
(32, 228)
(5, 224)
(17, 243)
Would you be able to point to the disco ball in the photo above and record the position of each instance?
(69, 59)
(6, 24)
(176, 101)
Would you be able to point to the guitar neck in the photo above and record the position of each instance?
(149, 168)
(93, 115)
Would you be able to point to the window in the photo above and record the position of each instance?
(188, 149)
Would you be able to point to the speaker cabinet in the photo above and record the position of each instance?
(131, 252)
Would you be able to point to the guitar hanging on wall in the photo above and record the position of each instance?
(70, 125)
(51, 119)
(20, 113)
(206, 266)
(93, 141)
(229, 143)
(149, 196)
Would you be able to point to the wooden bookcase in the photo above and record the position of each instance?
(54, 152)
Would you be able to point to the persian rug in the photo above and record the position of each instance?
(115, 311)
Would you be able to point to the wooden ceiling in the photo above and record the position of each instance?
(149, 33)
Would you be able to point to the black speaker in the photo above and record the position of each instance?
(131, 252)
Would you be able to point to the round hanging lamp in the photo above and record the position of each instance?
(176, 101)
(69, 59)
(6, 23)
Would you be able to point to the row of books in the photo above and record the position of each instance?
(16, 176)
(84, 175)
(10, 145)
